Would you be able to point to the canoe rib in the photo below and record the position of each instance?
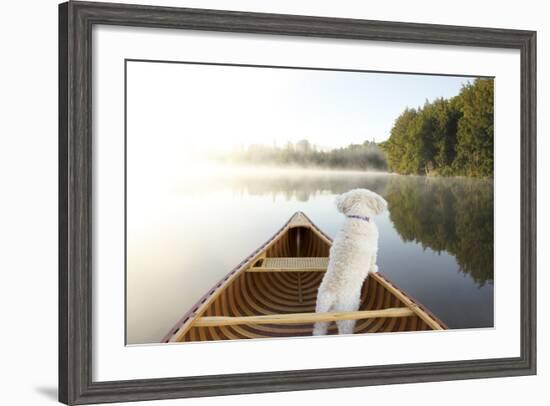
(272, 293)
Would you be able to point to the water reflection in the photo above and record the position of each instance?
(444, 214)
(301, 185)
(453, 215)
(436, 241)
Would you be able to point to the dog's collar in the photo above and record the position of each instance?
(358, 217)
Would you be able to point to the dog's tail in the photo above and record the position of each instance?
(324, 304)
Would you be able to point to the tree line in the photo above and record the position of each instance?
(366, 156)
(447, 136)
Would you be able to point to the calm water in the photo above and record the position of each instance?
(436, 240)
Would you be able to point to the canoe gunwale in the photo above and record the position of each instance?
(415, 304)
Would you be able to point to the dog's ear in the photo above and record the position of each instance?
(341, 203)
(376, 203)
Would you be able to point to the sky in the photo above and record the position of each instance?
(190, 109)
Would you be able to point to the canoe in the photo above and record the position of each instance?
(273, 292)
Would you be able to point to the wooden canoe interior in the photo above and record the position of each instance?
(283, 278)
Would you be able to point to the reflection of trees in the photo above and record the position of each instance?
(293, 185)
(455, 215)
(302, 188)
(444, 214)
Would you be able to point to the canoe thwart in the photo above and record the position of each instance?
(302, 318)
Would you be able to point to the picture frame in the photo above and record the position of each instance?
(76, 352)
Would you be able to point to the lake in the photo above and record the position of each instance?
(436, 239)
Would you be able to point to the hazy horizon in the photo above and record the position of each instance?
(194, 108)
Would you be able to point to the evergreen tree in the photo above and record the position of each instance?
(446, 137)
(475, 129)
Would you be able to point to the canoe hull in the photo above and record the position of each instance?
(252, 289)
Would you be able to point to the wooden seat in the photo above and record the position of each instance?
(291, 264)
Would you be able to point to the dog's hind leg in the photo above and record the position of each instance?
(351, 305)
(345, 326)
(324, 304)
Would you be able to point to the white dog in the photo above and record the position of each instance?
(352, 256)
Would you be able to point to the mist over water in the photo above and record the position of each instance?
(436, 240)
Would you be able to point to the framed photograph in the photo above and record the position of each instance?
(258, 202)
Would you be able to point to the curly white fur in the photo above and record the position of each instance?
(352, 256)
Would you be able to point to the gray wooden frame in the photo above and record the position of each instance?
(76, 20)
